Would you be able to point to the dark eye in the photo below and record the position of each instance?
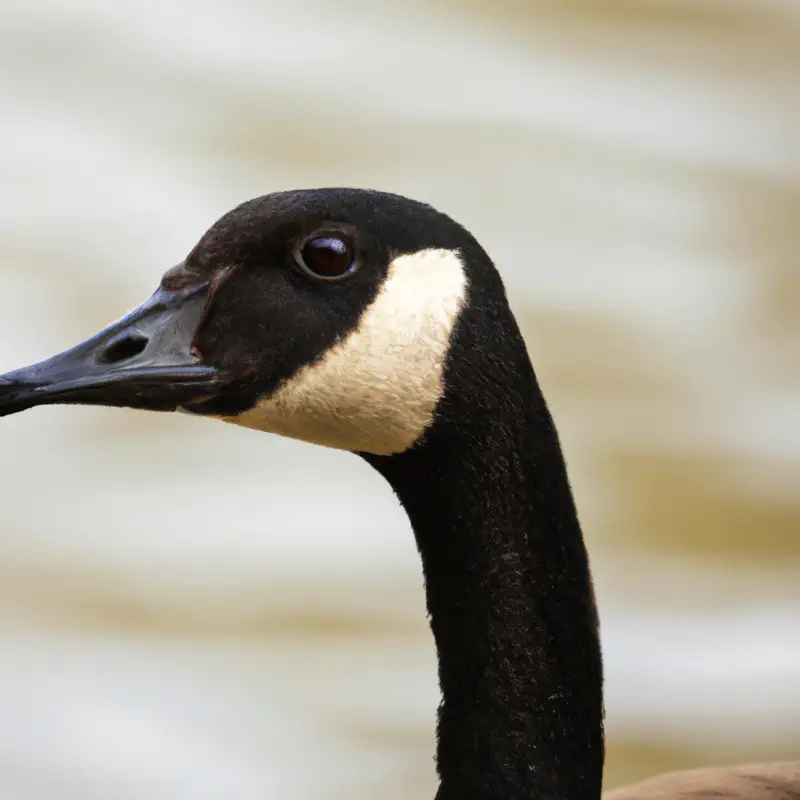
(327, 257)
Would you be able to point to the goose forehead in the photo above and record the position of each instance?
(376, 389)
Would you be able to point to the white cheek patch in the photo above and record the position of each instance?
(376, 390)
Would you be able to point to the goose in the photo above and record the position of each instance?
(372, 323)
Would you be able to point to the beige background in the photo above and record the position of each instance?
(189, 610)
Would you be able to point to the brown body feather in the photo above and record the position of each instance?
(780, 781)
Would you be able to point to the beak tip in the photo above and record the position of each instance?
(13, 381)
(16, 392)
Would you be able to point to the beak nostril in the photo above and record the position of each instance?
(123, 349)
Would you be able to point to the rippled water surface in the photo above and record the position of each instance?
(190, 610)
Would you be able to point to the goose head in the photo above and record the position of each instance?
(324, 315)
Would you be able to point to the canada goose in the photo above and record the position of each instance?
(368, 322)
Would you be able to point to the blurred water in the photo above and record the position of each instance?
(189, 610)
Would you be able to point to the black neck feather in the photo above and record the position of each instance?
(507, 580)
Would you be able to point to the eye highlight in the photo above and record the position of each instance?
(327, 257)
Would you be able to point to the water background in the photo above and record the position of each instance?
(189, 610)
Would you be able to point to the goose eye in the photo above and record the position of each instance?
(327, 258)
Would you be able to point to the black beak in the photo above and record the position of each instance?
(145, 360)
